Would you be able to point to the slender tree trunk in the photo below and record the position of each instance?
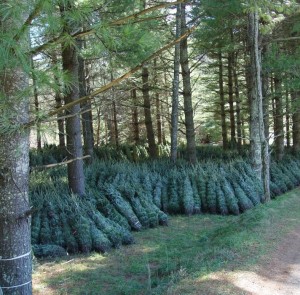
(37, 108)
(296, 121)
(187, 92)
(147, 113)
(15, 247)
(230, 98)
(259, 145)
(266, 97)
(238, 107)
(287, 116)
(86, 108)
(157, 106)
(175, 89)
(98, 127)
(115, 123)
(222, 102)
(278, 120)
(73, 128)
(58, 104)
(135, 118)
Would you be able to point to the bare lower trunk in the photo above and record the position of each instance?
(86, 109)
(222, 103)
(278, 120)
(15, 247)
(147, 113)
(73, 128)
(230, 98)
(58, 104)
(175, 89)
(259, 145)
(187, 92)
(287, 117)
(266, 98)
(296, 121)
(135, 118)
(98, 127)
(238, 108)
(115, 125)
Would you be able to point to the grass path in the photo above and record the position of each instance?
(202, 254)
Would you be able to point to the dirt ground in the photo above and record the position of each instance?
(277, 274)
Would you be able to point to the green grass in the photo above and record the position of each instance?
(172, 260)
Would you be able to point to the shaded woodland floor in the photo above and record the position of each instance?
(253, 253)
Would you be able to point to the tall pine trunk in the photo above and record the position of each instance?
(175, 89)
(187, 92)
(259, 145)
(15, 247)
(278, 119)
(86, 108)
(58, 104)
(157, 106)
(73, 127)
(238, 106)
(296, 121)
(222, 102)
(231, 99)
(147, 113)
(287, 116)
(135, 118)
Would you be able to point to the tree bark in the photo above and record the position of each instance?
(278, 119)
(73, 128)
(238, 107)
(296, 121)
(58, 104)
(175, 89)
(86, 108)
(222, 102)
(187, 92)
(135, 118)
(287, 116)
(157, 106)
(266, 97)
(15, 247)
(147, 113)
(230, 98)
(36, 107)
(259, 145)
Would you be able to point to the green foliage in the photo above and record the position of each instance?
(211, 194)
(188, 197)
(124, 196)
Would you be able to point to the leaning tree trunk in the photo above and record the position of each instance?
(222, 102)
(147, 113)
(15, 247)
(175, 89)
(73, 128)
(187, 92)
(278, 119)
(258, 142)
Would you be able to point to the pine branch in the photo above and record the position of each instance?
(115, 81)
(118, 22)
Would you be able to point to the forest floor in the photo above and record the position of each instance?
(255, 253)
(278, 273)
